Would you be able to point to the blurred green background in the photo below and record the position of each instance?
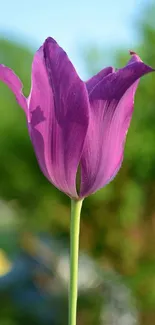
(117, 223)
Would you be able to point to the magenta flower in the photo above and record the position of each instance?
(75, 124)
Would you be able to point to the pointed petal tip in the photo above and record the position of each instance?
(49, 40)
(136, 58)
(132, 52)
(9, 77)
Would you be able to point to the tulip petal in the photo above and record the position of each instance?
(111, 106)
(58, 116)
(92, 82)
(14, 83)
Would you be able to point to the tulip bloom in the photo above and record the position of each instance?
(75, 124)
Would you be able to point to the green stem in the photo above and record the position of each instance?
(74, 252)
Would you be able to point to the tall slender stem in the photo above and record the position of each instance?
(74, 252)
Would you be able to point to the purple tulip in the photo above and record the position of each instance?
(74, 124)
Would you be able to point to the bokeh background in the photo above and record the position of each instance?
(117, 241)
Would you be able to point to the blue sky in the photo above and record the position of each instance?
(74, 24)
